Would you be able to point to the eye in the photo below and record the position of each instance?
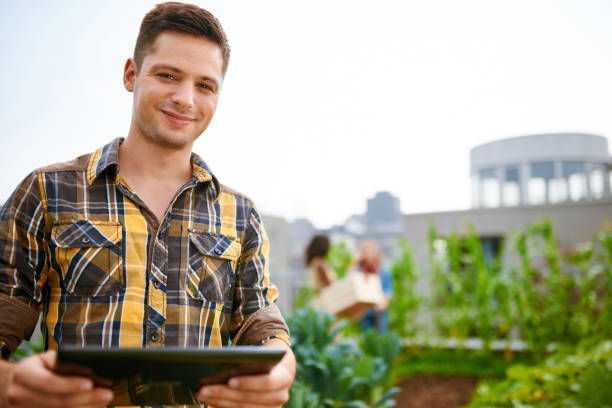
(165, 75)
(205, 87)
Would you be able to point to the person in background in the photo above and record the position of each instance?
(369, 261)
(320, 272)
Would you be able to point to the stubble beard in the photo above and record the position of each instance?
(155, 134)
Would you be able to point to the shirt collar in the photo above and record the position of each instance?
(108, 157)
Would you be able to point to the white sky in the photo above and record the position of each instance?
(325, 102)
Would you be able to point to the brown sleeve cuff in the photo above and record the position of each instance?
(17, 321)
(260, 326)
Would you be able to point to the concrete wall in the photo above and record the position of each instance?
(573, 222)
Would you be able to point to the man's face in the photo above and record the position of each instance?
(176, 89)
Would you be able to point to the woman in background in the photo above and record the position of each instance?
(320, 272)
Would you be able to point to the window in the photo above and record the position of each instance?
(512, 187)
(490, 248)
(536, 191)
(489, 188)
(538, 185)
(573, 171)
(558, 190)
(597, 182)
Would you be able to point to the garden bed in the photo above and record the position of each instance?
(435, 392)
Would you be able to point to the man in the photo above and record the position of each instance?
(138, 244)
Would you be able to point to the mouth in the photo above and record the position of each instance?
(176, 118)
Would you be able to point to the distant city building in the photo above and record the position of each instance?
(287, 243)
(301, 231)
(278, 232)
(383, 215)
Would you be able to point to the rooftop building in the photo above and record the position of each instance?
(540, 169)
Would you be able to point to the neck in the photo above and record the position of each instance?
(145, 160)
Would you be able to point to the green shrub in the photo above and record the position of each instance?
(471, 297)
(340, 258)
(549, 297)
(456, 363)
(351, 372)
(404, 305)
(579, 378)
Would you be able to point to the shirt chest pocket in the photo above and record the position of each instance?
(89, 255)
(212, 261)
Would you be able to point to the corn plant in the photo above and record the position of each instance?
(549, 297)
(543, 301)
(563, 298)
(403, 307)
(470, 296)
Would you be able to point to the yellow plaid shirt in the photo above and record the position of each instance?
(79, 245)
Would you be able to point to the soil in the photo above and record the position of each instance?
(435, 392)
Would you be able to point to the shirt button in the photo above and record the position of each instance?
(218, 251)
(85, 240)
(154, 337)
(156, 284)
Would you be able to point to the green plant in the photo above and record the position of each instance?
(550, 297)
(458, 362)
(302, 396)
(578, 378)
(403, 307)
(471, 297)
(340, 258)
(562, 298)
(28, 348)
(313, 329)
(543, 292)
(303, 297)
(345, 373)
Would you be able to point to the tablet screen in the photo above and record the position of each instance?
(157, 376)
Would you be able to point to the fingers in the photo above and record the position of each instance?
(222, 396)
(49, 359)
(234, 404)
(35, 373)
(277, 379)
(264, 390)
(33, 384)
(23, 396)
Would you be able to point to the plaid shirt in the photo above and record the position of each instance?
(79, 245)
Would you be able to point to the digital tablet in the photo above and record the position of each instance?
(169, 375)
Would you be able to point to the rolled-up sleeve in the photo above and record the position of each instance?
(255, 317)
(23, 261)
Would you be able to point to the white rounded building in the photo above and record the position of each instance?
(541, 169)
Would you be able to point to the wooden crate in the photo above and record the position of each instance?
(352, 296)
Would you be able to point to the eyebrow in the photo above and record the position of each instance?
(155, 67)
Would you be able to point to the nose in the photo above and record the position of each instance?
(183, 95)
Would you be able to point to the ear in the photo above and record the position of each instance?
(129, 74)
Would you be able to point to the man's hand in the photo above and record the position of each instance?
(32, 383)
(256, 391)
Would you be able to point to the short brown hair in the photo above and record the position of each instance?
(184, 18)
